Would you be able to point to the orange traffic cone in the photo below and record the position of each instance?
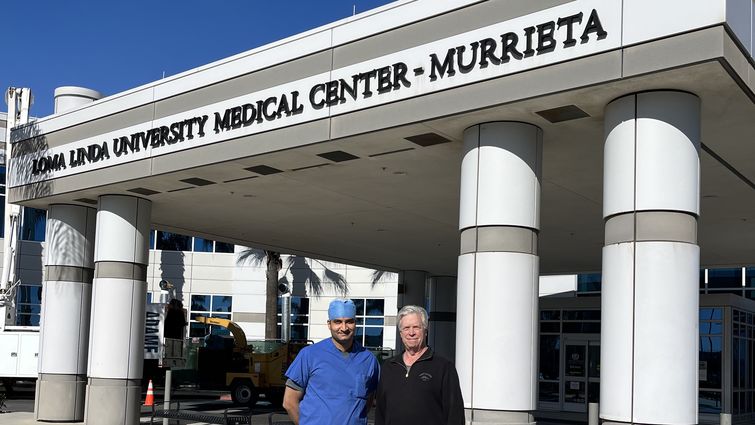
(150, 399)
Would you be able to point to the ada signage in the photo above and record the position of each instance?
(560, 33)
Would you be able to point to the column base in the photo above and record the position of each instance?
(113, 401)
(59, 398)
(499, 417)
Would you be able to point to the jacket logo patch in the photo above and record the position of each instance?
(425, 377)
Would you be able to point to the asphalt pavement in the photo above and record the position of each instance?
(19, 408)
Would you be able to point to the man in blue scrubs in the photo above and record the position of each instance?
(332, 382)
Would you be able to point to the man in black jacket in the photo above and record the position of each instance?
(417, 386)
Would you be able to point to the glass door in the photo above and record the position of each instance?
(581, 382)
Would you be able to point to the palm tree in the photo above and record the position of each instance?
(274, 264)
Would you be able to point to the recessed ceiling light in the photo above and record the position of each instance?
(338, 156)
(427, 139)
(563, 113)
(263, 170)
(143, 191)
(196, 181)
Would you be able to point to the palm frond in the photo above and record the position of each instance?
(379, 276)
(256, 257)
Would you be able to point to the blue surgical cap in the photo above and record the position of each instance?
(342, 308)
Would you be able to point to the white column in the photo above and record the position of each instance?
(116, 345)
(497, 294)
(649, 330)
(441, 307)
(64, 329)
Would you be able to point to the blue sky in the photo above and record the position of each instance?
(112, 46)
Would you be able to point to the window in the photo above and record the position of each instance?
(581, 321)
(299, 318)
(33, 226)
(168, 241)
(202, 245)
(370, 321)
(725, 280)
(588, 284)
(209, 306)
(224, 247)
(743, 362)
(28, 305)
(711, 360)
(2, 201)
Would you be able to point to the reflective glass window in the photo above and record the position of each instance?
(222, 303)
(725, 278)
(550, 327)
(581, 314)
(27, 320)
(548, 392)
(359, 303)
(33, 226)
(750, 277)
(370, 320)
(373, 337)
(202, 245)
(593, 392)
(173, 242)
(712, 328)
(711, 313)
(209, 306)
(593, 361)
(550, 315)
(299, 326)
(224, 247)
(589, 282)
(28, 305)
(709, 402)
(375, 307)
(200, 302)
(550, 349)
(581, 327)
(711, 362)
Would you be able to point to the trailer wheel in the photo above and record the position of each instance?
(243, 392)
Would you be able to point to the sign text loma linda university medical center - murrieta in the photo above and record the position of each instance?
(488, 52)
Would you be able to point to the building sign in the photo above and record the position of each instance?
(561, 33)
(153, 330)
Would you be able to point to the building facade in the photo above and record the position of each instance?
(491, 141)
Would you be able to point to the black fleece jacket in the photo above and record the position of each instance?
(427, 393)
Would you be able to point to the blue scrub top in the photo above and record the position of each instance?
(336, 384)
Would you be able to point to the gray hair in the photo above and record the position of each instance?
(412, 309)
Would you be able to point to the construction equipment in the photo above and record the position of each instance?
(252, 369)
(19, 100)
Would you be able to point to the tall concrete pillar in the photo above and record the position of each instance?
(651, 260)
(441, 307)
(116, 344)
(64, 330)
(497, 294)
